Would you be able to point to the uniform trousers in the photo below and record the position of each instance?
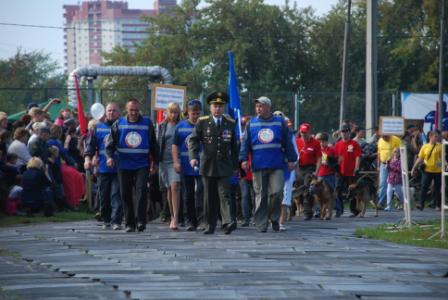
(134, 183)
(217, 199)
(268, 187)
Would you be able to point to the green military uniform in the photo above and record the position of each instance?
(219, 159)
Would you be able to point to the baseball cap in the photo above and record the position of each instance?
(194, 102)
(264, 100)
(305, 128)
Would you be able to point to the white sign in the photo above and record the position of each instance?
(163, 94)
(392, 125)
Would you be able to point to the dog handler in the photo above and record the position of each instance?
(268, 140)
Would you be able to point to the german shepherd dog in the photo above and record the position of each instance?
(299, 193)
(324, 195)
(362, 192)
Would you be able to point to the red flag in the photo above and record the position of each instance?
(81, 117)
(160, 116)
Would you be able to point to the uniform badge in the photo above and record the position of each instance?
(226, 135)
(265, 135)
(133, 139)
(350, 148)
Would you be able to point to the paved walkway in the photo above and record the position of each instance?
(312, 260)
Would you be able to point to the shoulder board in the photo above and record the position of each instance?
(229, 118)
(204, 118)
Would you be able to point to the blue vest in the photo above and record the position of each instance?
(133, 143)
(266, 138)
(183, 132)
(102, 133)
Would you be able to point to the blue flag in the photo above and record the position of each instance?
(234, 109)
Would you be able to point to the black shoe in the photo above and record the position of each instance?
(419, 207)
(229, 228)
(353, 215)
(317, 215)
(191, 228)
(129, 229)
(338, 214)
(141, 227)
(275, 226)
(209, 231)
(245, 224)
(264, 230)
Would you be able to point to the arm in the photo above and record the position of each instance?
(154, 148)
(245, 148)
(52, 102)
(194, 144)
(90, 150)
(111, 144)
(175, 154)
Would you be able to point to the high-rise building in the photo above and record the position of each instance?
(97, 26)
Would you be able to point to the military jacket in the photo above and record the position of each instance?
(220, 151)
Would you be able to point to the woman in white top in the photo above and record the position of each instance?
(18, 146)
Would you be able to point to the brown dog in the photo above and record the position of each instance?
(324, 195)
(363, 192)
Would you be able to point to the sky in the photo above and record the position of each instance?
(50, 13)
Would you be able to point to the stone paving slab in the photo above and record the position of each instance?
(311, 260)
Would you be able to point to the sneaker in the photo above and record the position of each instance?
(106, 226)
(275, 225)
(116, 227)
(282, 227)
(141, 227)
(388, 209)
(129, 229)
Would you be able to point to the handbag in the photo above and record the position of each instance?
(421, 168)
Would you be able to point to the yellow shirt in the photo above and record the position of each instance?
(433, 163)
(385, 148)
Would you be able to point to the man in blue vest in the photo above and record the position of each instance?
(192, 188)
(134, 139)
(268, 141)
(108, 188)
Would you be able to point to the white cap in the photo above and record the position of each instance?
(264, 100)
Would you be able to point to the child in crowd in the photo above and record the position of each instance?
(394, 181)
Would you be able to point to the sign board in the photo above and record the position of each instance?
(392, 125)
(163, 94)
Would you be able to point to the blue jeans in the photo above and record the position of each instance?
(247, 199)
(398, 188)
(382, 184)
(110, 200)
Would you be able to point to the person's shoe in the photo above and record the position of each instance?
(245, 224)
(116, 227)
(282, 227)
(129, 229)
(141, 227)
(229, 228)
(106, 226)
(352, 215)
(388, 209)
(98, 217)
(275, 226)
(419, 206)
(191, 228)
(209, 231)
(338, 214)
(380, 206)
(263, 230)
(307, 218)
(317, 215)
(182, 224)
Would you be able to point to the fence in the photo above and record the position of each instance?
(319, 108)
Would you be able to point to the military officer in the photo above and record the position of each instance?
(219, 160)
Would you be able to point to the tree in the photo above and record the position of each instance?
(24, 78)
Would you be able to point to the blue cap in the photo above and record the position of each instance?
(195, 102)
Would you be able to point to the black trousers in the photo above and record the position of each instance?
(217, 199)
(133, 189)
(426, 182)
(192, 197)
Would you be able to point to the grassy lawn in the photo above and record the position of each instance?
(69, 216)
(417, 235)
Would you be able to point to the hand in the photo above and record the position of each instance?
(87, 164)
(413, 172)
(193, 162)
(154, 168)
(110, 162)
(291, 166)
(96, 161)
(55, 100)
(177, 167)
(245, 166)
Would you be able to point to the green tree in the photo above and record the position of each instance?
(26, 77)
